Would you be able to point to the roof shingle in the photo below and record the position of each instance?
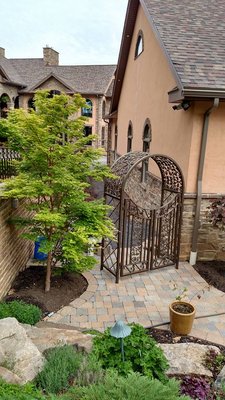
(87, 79)
(193, 34)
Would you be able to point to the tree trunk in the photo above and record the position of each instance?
(48, 273)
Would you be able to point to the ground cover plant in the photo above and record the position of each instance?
(54, 174)
(59, 370)
(132, 387)
(23, 312)
(141, 353)
(17, 392)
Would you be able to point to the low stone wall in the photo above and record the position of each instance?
(14, 250)
(211, 240)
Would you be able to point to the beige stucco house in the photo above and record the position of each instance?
(20, 78)
(168, 98)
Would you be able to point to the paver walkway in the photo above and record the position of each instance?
(144, 298)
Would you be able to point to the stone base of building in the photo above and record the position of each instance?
(211, 240)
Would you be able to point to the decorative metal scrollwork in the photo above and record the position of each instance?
(146, 213)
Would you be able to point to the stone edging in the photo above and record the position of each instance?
(91, 289)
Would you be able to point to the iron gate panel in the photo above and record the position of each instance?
(147, 234)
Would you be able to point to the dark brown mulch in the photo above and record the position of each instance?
(29, 286)
(165, 336)
(213, 272)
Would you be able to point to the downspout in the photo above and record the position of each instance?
(193, 255)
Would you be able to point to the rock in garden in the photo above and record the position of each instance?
(187, 358)
(47, 337)
(9, 376)
(17, 351)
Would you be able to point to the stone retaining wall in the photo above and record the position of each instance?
(211, 240)
(14, 250)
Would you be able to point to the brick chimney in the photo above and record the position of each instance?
(50, 56)
(2, 52)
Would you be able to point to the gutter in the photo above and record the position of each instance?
(193, 254)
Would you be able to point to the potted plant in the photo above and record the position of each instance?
(182, 314)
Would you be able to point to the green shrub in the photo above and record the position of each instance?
(141, 353)
(16, 392)
(60, 368)
(90, 371)
(132, 387)
(23, 312)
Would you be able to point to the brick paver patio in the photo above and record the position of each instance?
(144, 298)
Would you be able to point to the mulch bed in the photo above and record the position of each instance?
(29, 286)
(166, 336)
(213, 272)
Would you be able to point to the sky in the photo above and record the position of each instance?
(82, 31)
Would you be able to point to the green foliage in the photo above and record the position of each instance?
(132, 387)
(60, 368)
(141, 353)
(16, 392)
(23, 312)
(90, 371)
(54, 179)
(214, 362)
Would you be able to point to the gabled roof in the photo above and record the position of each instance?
(86, 79)
(192, 36)
(9, 72)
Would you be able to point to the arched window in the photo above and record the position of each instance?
(116, 139)
(103, 109)
(88, 132)
(4, 105)
(103, 137)
(87, 111)
(16, 102)
(147, 136)
(129, 137)
(53, 92)
(139, 44)
(30, 103)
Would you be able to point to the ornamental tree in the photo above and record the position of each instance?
(53, 177)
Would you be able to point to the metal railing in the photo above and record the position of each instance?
(7, 158)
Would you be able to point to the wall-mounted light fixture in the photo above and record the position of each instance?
(184, 105)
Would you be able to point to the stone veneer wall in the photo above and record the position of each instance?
(211, 240)
(14, 250)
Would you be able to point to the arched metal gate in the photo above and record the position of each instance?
(146, 211)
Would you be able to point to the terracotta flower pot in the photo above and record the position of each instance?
(182, 315)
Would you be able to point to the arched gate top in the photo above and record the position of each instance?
(171, 175)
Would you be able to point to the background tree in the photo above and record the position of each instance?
(54, 179)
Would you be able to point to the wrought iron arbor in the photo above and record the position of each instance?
(146, 211)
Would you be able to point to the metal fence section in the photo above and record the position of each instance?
(7, 162)
(147, 214)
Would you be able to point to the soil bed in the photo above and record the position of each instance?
(29, 286)
(213, 272)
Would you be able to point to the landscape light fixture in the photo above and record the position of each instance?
(119, 331)
(184, 105)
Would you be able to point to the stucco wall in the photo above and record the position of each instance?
(144, 95)
(214, 166)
